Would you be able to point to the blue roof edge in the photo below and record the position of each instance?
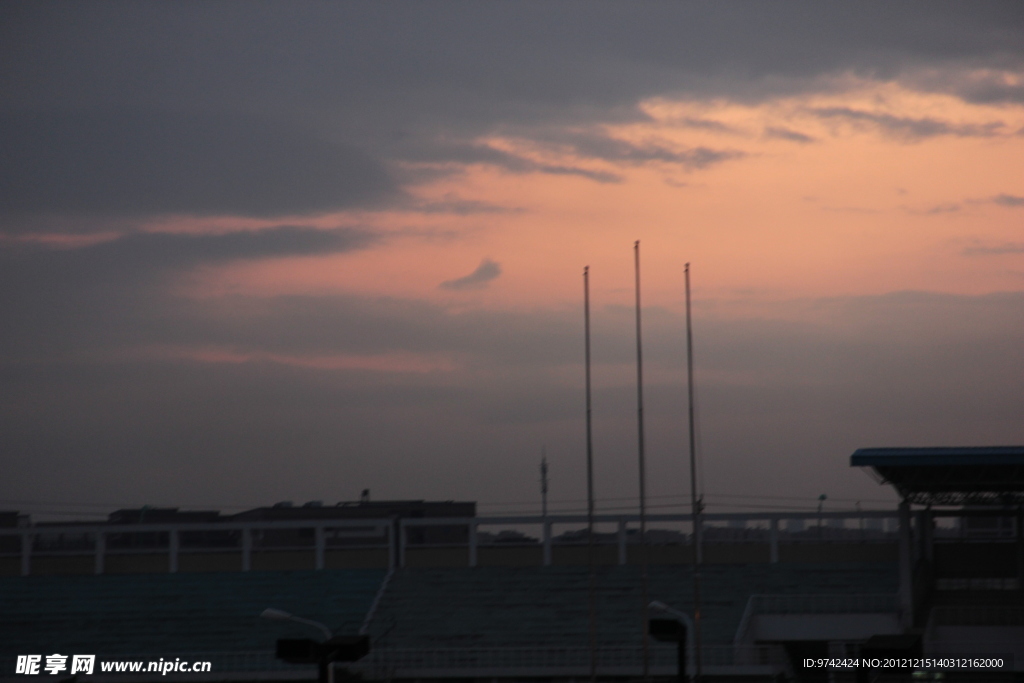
(938, 456)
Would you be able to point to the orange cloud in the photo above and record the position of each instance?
(858, 192)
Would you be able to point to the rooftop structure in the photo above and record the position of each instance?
(949, 476)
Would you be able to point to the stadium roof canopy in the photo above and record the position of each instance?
(991, 475)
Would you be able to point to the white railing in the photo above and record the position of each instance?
(102, 541)
(810, 603)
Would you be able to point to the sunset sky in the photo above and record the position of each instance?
(253, 252)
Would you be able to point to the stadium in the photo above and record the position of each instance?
(444, 594)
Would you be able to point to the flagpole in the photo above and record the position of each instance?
(695, 501)
(640, 442)
(590, 481)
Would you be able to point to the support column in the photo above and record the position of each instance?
(246, 550)
(623, 557)
(321, 545)
(26, 553)
(920, 536)
(173, 552)
(906, 567)
(547, 544)
(773, 536)
(472, 544)
(101, 551)
(928, 535)
(1020, 548)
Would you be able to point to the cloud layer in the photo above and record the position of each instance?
(234, 242)
(157, 162)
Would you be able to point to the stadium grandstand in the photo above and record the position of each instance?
(444, 593)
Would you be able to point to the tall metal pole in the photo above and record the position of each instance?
(590, 482)
(640, 443)
(696, 502)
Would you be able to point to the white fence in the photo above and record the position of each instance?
(102, 541)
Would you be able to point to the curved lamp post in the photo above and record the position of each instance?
(281, 615)
(684, 643)
(325, 667)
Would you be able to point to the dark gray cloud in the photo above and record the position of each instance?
(596, 176)
(389, 78)
(909, 128)
(134, 255)
(780, 133)
(979, 86)
(511, 55)
(142, 162)
(1009, 200)
(452, 204)
(448, 153)
(484, 274)
(624, 152)
(941, 209)
(706, 124)
(994, 249)
(458, 154)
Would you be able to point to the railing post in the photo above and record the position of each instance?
(472, 543)
(26, 553)
(246, 549)
(547, 544)
(774, 540)
(321, 544)
(101, 551)
(906, 567)
(622, 542)
(173, 552)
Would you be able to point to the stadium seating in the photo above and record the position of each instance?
(549, 606)
(174, 613)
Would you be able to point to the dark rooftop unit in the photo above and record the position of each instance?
(986, 475)
(151, 515)
(437, 534)
(363, 509)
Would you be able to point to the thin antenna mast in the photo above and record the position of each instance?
(590, 481)
(696, 502)
(640, 442)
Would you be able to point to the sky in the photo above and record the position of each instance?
(253, 252)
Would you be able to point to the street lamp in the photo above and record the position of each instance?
(324, 654)
(679, 631)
